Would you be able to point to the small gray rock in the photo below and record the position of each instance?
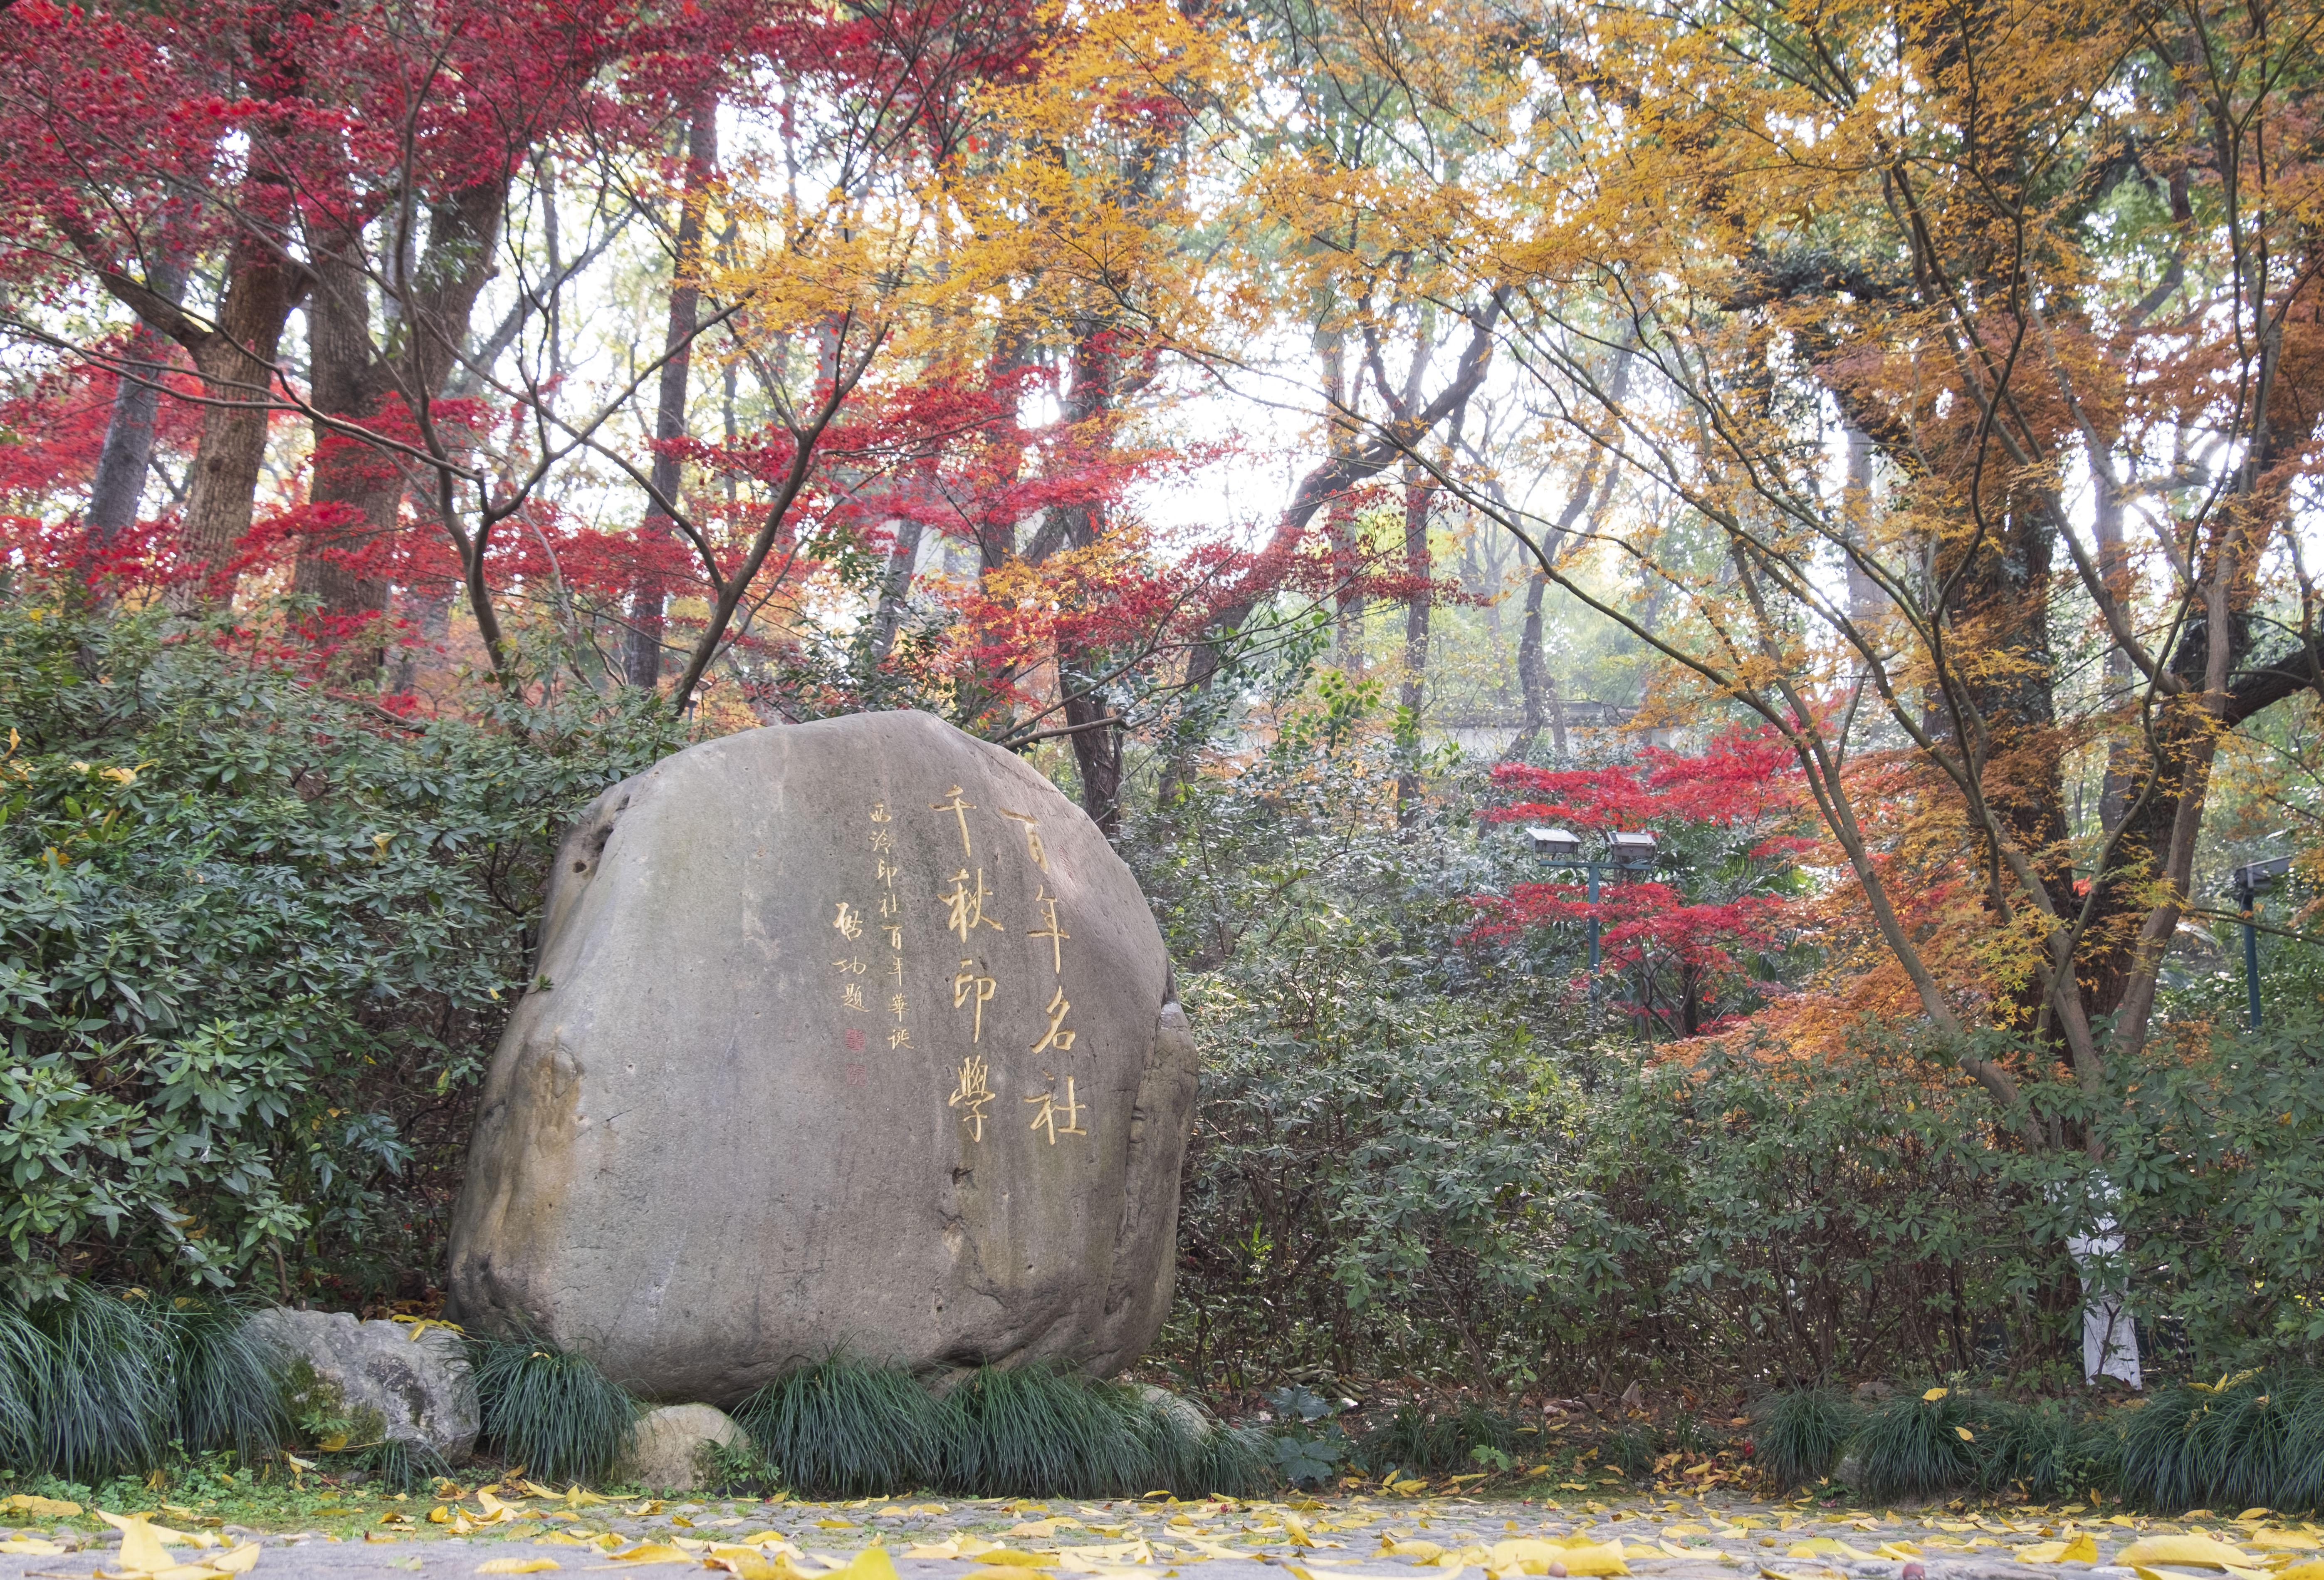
(417, 1383)
(667, 1446)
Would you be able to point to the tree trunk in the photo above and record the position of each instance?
(128, 456)
(642, 655)
(1419, 565)
(358, 483)
(237, 365)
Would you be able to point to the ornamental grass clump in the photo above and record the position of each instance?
(1917, 1445)
(842, 1429)
(2048, 1450)
(1798, 1435)
(1033, 1430)
(2254, 1440)
(548, 1409)
(101, 1383)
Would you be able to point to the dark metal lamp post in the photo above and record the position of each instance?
(2251, 880)
(1624, 852)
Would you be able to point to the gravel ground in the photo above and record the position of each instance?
(1364, 1538)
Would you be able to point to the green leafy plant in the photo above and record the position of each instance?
(550, 1409)
(1308, 1445)
(1798, 1434)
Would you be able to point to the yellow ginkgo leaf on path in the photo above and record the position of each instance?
(2040, 1552)
(836, 1524)
(1423, 1552)
(558, 1538)
(1814, 1547)
(1009, 1557)
(241, 1560)
(1898, 1550)
(141, 1552)
(2198, 1551)
(184, 1572)
(1934, 1394)
(31, 1547)
(39, 1507)
(935, 1550)
(2282, 1541)
(2313, 1569)
(1595, 1560)
(516, 1566)
(748, 1563)
(654, 1552)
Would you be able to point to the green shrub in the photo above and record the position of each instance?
(1798, 1435)
(1424, 1442)
(2255, 1440)
(548, 1409)
(1912, 1446)
(256, 942)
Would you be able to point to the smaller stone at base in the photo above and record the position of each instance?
(667, 1446)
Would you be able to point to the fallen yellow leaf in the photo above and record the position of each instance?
(1964, 1434)
(516, 1566)
(1594, 1560)
(43, 1508)
(654, 1552)
(1935, 1394)
(2282, 1541)
(141, 1552)
(31, 1547)
(1009, 1559)
(2198, 1551)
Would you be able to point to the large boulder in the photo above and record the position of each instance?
(412, 1377)
(853, 1037)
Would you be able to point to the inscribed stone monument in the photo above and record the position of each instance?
(847, 1037)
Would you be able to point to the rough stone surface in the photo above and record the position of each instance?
(419, 1385)
(666, 1446)
(696, 1162)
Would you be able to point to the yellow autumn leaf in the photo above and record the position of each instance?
(141, 1552)
(2312, 1569)
(1898, 1550)
(1009, 1559)
(1423, 1552)
(1595, 1560)
(2198, 1551)
(2282, 1541)
(31, 1547)
(654, 1552)
(516, 1566)
(1935, 1394)
(1964, 1434)
(39, 1507)
(240, 1560)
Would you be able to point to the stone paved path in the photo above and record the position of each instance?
(1357, 1539)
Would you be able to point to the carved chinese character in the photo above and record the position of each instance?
(852, 967)
(960, 810)
(1052, 1111)
(851, 997)
(966, 912)
(901, 1037)
(896, 967)
(896, 940)
(896, 1004)
(1052, 932)
(1058, 1036)
(879, 811)
(882, 841)
(971, 1093)
(968, 984)
(850, 921)
(1032, 837)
